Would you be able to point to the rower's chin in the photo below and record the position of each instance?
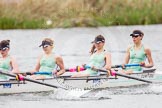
(46, 51)
(134, 41)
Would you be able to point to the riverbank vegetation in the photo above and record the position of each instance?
(33, 14)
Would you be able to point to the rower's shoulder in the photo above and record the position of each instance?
(129, 47)
(57, 56)
(40, 56)
(147, 48)
(107, 54)
(12, 57)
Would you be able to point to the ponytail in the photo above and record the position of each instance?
(92, 49)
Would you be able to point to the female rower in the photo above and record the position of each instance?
(48, 61)
(7, 62)
(99, 58)
(137, 54)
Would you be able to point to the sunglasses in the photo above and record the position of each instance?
(3, 49)
(135, 36)
(45, 46)
(98, 42)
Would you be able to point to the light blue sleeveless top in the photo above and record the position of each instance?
(47, 64)
(136, 57)
(5, 66)
(96, 60)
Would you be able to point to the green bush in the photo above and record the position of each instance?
(33, 14)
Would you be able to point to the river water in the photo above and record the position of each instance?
(73, 44)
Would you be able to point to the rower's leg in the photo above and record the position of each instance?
(37, 77)
(80, 75)
(127, 71)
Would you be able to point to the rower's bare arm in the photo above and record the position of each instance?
(60, 63)
(127, 56)
(108, 61)
(37, 67)
(149, 57)
(14, 66)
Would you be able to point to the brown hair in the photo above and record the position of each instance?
(49, 40)
(100, 36)
(5, 42)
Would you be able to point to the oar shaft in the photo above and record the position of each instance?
(44, 73)
(131, 77)
(126, 65)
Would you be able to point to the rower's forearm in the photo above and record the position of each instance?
(15, 71)
(107, 67)
(149, 65)
(61, 72)
(34, 70)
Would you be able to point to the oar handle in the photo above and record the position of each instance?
(36, 73)
(43, 73)
(126, 65)
(87, 67)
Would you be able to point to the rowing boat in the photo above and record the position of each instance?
(92, 82)
(103, 81)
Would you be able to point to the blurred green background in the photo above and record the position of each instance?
(34, 14)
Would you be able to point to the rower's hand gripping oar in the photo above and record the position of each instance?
(31, 80)
(122, 75)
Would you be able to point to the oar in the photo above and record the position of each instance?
(35, 73)
(126, 65)
(122, 75)
(31, 80)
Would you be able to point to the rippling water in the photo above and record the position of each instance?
(74, 44)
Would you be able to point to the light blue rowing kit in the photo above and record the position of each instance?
(5, 66)
(96, 60)
(47, 64)
(136, 57)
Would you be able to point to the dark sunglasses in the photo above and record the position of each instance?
(3, 49)
(135, 36)
(45, 46)
(98, 42)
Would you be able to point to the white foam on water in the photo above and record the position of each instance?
(156, 88)
(73, 94)
(77, 93)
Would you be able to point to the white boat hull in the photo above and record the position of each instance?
(78, 83)
(24, 88)
(111, 81)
